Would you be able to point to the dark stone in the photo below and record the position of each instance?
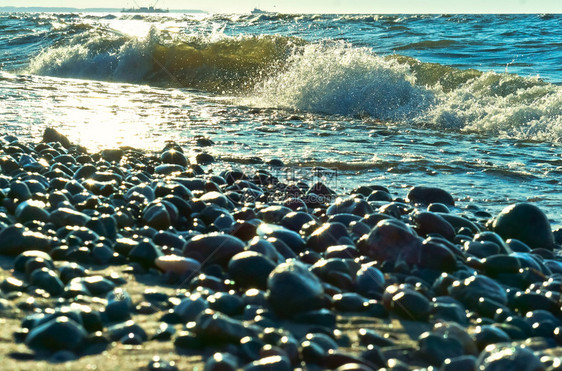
(119, 306)
(65, 216)
(221, 362)
(204, 158)
(16, 239)
(12, 284)
(47, 280)
(437, 256)
(118, 331)
(213, 248)
(470, 290)
(295, 220)
(488, 236)
(411, 305)
(174, 157)
(458, 222)
(462, 363)
(156, 215)
(227, 303)
(428, 223)
(481, 249)
(31, 210)
(292, 288)
(349, 302)
(428, 195)
(97, 285)
(450, 312)
(325, 342)
(250, 269)
(369, 282)
(19, 191)
(291, 238)
(391, 241)
(145, 253)
(112, 155)
(51, 135)
(355, 206)
(273, 214)
(486, 335)
(22, 259)
(372, 337)
(321, 317)
(216, 328)
(508, 357)
(436, 348)
(189, 308)
(527, 223)
(525, 302)
(328, 234)
(60, 333)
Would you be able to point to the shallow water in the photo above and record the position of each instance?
(341, 92)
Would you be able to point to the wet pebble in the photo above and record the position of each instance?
(527, 223)
(429, 195)
(436, 348)
(292, 288)
(61, 333)
(250, 269)
(213, 248)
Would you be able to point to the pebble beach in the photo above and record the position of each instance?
(192, 191)
(124, 259)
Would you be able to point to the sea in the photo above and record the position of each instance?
(468, 103)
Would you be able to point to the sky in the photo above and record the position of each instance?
(319, 6)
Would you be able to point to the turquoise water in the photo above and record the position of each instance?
(469, 103)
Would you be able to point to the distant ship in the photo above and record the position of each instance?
(145, 9)
(259, 11)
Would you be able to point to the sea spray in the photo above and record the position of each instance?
(336, 78)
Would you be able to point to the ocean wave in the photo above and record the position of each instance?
(341, 79)
(326, 77)
(216, 64)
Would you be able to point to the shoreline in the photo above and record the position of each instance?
(367, 279)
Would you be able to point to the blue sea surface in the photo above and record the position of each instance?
(468, 103)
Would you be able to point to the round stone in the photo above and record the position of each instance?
(508, 358)
(527, 223)
(173, 157)
(60, 333)
(411, 305)
(17, 239)
(250, 269)
(329, 234)
(369, 281)
(428, 222)
(392, 241)
(292, 288)
(47, 280)
(428, 195)
(31, 210)
(486, 335)
(189, 308)
(470, 290)
(436, 348)
(145, 253)
(213, 248)
(437, 256)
